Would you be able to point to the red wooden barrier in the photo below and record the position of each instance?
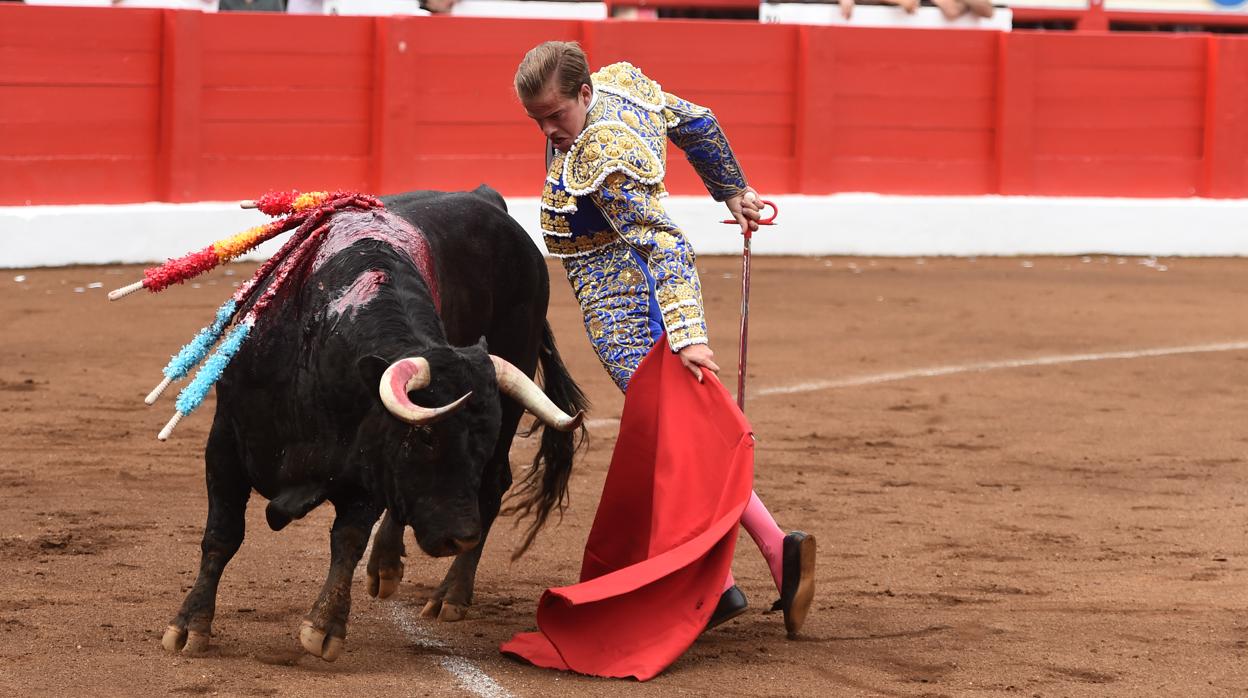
(1226, 115)
(107, 105)
(912, 116)
(286, 101)
(467, 126)
(181, 85)
(79, 105)
(1118, 114)
(1015, 113)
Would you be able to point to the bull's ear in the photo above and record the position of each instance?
(370, 369)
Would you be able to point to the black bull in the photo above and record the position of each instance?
(303, 414)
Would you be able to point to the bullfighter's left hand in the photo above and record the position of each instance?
(696, 357)
(746, 208)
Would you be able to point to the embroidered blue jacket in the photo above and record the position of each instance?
(630, 266)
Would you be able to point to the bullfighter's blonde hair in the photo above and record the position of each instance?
(561, 61)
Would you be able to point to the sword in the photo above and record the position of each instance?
(745, 298)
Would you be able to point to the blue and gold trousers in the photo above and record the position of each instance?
(616, 293)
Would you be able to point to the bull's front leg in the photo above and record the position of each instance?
(228, 490)
(453, 596)
(385, 563)
(324, 629)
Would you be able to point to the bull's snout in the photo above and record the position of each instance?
(450, 545)
(447, 526)
(463, 545)
(453, 541)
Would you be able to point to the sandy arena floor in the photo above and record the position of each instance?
(1049, 528)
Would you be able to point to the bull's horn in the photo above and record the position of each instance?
(513, 383)
(412, 374)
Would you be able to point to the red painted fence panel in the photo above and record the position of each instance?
(906, 113)
(1121, 115)
(79, 104)
(1226, 115)
(465, 126)
(109, 105)
(285, 101)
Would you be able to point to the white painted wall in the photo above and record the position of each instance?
(829, 14)
(844, 224)
(530, 9)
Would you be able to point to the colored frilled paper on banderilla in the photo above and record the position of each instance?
(304, 214)
(662, 541)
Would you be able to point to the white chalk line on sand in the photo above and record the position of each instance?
(979, 367)
(471, 678)
(467, 674)
(994, 365)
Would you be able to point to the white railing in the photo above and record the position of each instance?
(879, 16)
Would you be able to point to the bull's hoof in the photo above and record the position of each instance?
(196, 643)
(315, 642)
(385, 582)
(444, 611)
(452, 613)
(383, 587)
(176, 639)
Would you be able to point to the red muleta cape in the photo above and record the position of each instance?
(662, 541)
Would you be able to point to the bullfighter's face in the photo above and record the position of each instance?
(561, 118)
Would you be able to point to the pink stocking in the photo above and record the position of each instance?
(766, 534)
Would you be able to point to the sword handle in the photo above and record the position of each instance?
(770, 220)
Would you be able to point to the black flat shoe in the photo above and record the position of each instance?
(797, 584)
(732, 603)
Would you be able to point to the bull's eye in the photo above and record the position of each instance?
(421, 437)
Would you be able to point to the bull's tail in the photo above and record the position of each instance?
(545, 488)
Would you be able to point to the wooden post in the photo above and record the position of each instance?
(817, 71)
(1015, 128)
(1224, 170)
(801, 122)
(393, 156)
(181, 82)
(1095, 19)
(588, 38)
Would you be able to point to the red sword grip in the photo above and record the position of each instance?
(770, 220)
